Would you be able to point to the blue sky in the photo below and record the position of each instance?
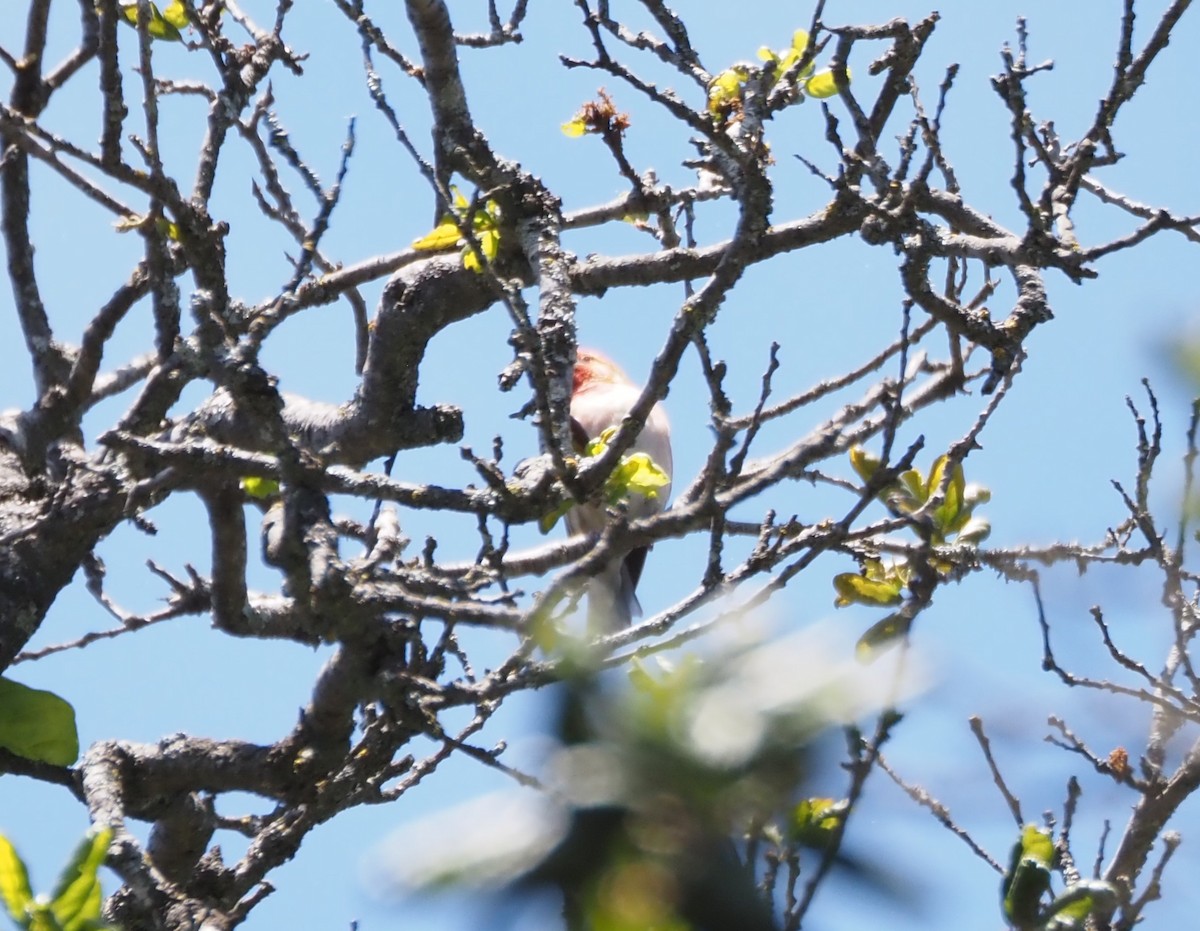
(1048, 456)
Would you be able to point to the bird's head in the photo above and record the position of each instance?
(594, 368)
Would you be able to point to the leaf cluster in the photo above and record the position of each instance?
(484, 224)
(635, 475)
(727, 90)
(1027, 882)
(75, 902)
(163, 25)
(941, 507)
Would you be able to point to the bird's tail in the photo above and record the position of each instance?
(612, 602)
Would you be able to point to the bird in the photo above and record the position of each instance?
(601, 397)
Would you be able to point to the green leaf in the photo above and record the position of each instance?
(37, 725)
(158, 26)
(176, 14)
(261, 488)
(443, 236)
(725, 90)
(729, 82)
(853, 588)
(1070, 910)
(169, 229)
(489, 245)
(784, 60)
(77, 898)
(597, 445)
(636, 474)
(814, 821)
(911, 492)
(1037, 845)
(864, 463)
(880, 635)
(574, 128)
(14, 882)
(823, 84)
(873, 586)
(448, 233)
(487, 218)
(162, 225)
(1028, 877)
(41, 918)
(674, 680)
(547, 521)
(659, 697)
(947, 513)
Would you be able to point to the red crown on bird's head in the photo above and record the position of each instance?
(593, 367)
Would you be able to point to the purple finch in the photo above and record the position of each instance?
(600, 400)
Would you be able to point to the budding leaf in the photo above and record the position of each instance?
(725, 90)
(853, 588)
(489, 245)
(1028, 876)
(169, 229)
(159, 26)
(814, 821)
(77, 899)
(575, 128)
(823, 84)
(447, 234)
(175, 13)
(864, 463)
(1070, 910)
(788, 57)
(912, 490)
(261, 488)
(547, 521)
(14, 882)
(947, 513)
(164, 226)
(880, 635)
(635, 474)
(443, 236)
